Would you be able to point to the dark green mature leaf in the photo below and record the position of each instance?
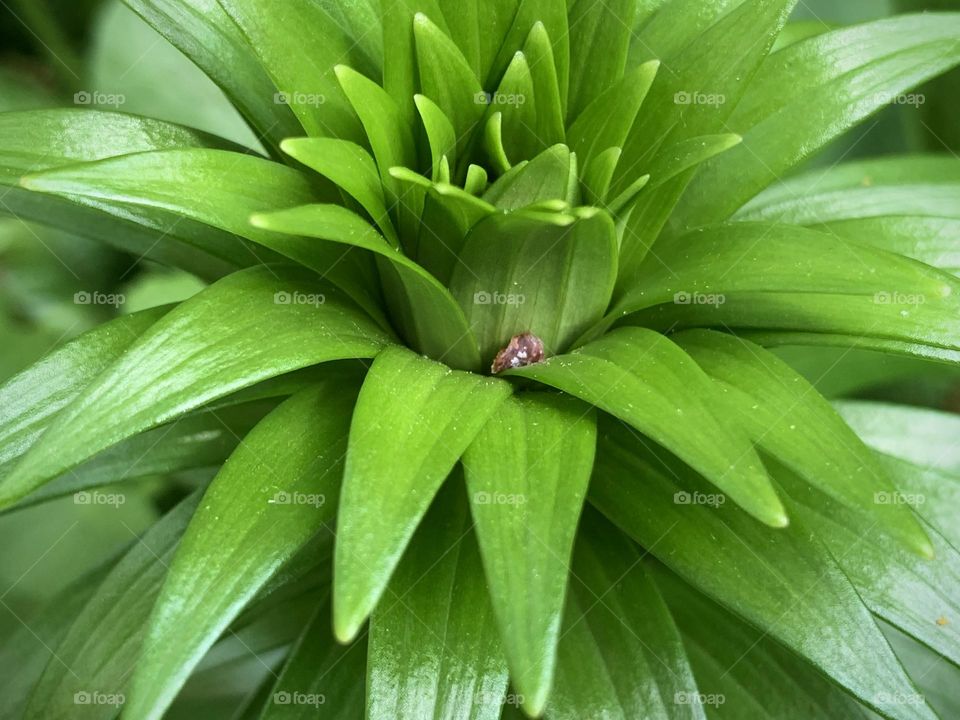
(350, 167)
(621, 656)
(30, 400)
(784, 582)
(429, 316)
(712, 58)
(299, 44)
(543, 178)
(527, 472)
(434, 648)
(278, 490)
(786, 417)
(519, 274)
(94, 658)
(599, 39)
(26, 651)
(412, 423)
(742, 673)
(846, 74)
(196, 442)
(322, 671)
(211, 188)
(914, 595)
(907, 205)
(203, 31)
(209, 346)
(47, 139)
(782, 277)
(647, 381)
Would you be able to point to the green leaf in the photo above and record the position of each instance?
(598, 175)
(47, 139)
(412, 423)
(391, 138)
(96, 654)
(543, 178)
(783, 582)
(349, 167)
(479, 28)
(922, 436)
(606, 121)
(214, 190)
(647, 381)
(847, 74)
(276, 491)
(400, 78)
(772, 338)
(527, 473)
(782, 277)
(31, 400)
(515, 100)
(906, 205)
(520, 274)
(26, 649)
(937, 680)
(621, 656)
(440, 132)
(322, 670)
(200, 441)
(599, 40)
(538, 50)
(203, 31)
(552, 14)
(447, 79)
(743, 673)
(434, 648)
(209, 346)
(906, 591)
(428, 314)
(786, 417)
(298, 44)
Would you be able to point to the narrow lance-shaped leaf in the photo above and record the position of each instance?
(428, 315)
(621, 656)
(97, 652)
(599, 39)
(413, 421)
(322, 671)
(203, 31)
(786, 417)
(794, 582)
(527, 473)
(30, 400)
(847, 74)
(276, 491)
(647, 381)
(434, 648)
(209, 346)
(743, 673)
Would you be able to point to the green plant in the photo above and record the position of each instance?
(598, 179)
